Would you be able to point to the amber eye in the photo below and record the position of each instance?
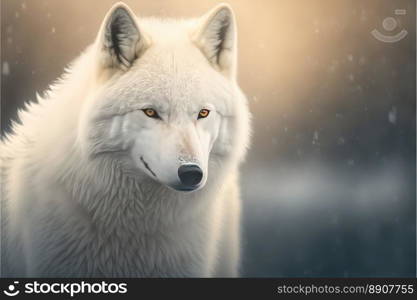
(203, 113)
(151, 113)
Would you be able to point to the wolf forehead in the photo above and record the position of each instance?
(168, 79)
(168, 90)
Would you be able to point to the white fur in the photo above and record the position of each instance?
(76, 199)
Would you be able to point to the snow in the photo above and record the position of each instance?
(392, 115)
(315, 137)
(5, 70)
(341, 140)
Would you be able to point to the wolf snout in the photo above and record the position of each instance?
(190, 175)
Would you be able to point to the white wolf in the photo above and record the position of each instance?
(128, 166)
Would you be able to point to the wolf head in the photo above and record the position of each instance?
(165, 102)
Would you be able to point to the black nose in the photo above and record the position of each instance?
(190, 175)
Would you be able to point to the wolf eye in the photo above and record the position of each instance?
(203, 113)
(151, 113)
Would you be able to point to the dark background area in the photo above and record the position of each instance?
(329, 186)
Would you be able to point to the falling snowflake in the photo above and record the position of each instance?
(5, 70)
(315, 137)
(392, 115)
(341, 140)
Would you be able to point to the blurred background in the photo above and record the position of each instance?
(329, 186)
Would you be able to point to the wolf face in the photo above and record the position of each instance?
(166, 102)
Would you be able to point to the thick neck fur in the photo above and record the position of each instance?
(128, 224)
(116, 200)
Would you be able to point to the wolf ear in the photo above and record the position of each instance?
(120, 39)
(217, 38)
